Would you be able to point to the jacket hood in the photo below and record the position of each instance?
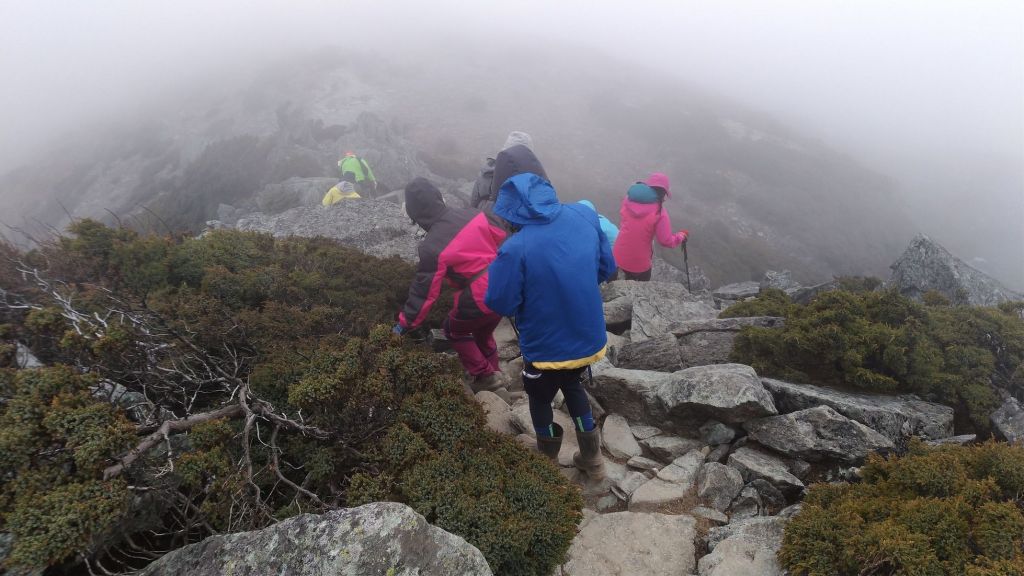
(527, 199)
(638, 209)
(515, 160)
(515, 138)
(659, 180)
(424, 203)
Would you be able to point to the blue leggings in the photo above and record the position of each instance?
(541, 387)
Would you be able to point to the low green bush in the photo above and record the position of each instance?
(947, 511)
(359, 414)
(880, 341)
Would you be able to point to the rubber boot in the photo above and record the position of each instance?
(550, 446)
(491, 382)
(589, 458)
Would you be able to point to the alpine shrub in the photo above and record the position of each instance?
(936, 511)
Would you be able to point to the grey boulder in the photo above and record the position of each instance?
(818, 434)
(378, 538)
(896, 418)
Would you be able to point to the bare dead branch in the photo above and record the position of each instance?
(164, 432)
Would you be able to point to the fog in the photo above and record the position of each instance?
(929, 93)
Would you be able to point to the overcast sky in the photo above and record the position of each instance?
(933, 74)
(906, 85)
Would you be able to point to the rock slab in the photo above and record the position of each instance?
(818, 434)
(896, 418)
(623, 543)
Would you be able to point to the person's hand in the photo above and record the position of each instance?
(683, 236)
(398, 329)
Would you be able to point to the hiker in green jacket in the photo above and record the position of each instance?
(355, 170)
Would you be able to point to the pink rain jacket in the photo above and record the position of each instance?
(639, 225)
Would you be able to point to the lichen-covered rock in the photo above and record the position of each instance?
(896, 418)
(624, 543)
(925, 266)
(378, 538)
(818, 434)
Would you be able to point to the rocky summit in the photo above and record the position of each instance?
(926, 266)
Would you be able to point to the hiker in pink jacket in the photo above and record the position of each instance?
(643, 219)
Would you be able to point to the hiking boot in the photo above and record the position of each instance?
(491, 382)
(589, 458)
(550, 446)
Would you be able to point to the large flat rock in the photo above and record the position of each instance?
(818, 434)
(378, 538)
(628, 543)
(894, 417)
(730, 393)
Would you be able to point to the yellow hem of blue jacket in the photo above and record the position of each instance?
(570, 364)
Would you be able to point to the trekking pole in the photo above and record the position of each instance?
(686, 263)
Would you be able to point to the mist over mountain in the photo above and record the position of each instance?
(755, 194)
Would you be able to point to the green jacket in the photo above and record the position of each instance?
(357, 166)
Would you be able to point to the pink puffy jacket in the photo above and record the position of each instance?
(639, 225)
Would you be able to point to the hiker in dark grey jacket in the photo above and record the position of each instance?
(485, 190)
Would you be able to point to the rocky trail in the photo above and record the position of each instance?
(705, 463)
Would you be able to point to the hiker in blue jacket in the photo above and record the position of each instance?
(546, 277)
